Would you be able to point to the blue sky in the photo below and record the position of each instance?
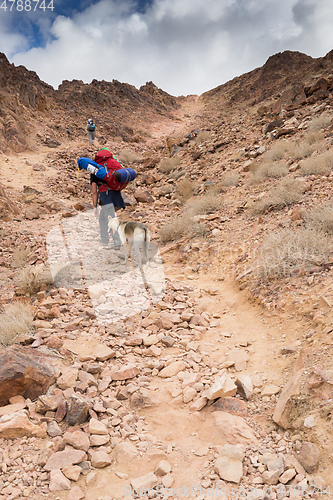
(183, 46)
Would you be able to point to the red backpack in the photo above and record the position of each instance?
(105, 158)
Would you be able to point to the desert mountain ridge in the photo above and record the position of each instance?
(29, 107)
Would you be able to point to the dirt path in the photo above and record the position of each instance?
(242, 332)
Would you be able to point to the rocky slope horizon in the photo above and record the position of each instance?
(32, 112)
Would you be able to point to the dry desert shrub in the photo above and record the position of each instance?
(229, 178)
(204, 205)
(179, 226)
(313, 137)
(185, 189)
(30, 279)
(288, 251)
(299, 150)
(277, 152)
(320, 218)
(320, 122)
(318, 165)
(174, 229)
(285, 193)
(20, 257)
(126, 156)
(268, 170)
(187, 223)
(168, 164)
(17, 319)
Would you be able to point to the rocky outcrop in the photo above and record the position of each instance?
(24, 371)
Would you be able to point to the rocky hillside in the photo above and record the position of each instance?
(33, 113)
(209, 370)
(287, 80)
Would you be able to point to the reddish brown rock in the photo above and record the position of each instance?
(77, 439)
(143, 196)
(18, 425)
(231, 405)
(58, 482)
(65, 458)
(308, 456)
(61, 411)
(126, 372)
(24, 371)
(77, 410)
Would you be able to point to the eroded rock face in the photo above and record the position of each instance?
(25, 372)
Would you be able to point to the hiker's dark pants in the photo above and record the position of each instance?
(91, 137)
(108, 209)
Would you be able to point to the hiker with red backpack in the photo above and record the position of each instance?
(108, 177)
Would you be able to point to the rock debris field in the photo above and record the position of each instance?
(155, 405)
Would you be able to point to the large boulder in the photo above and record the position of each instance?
(25, 372)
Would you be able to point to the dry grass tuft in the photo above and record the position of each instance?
(187, 223)
(30, 279)
(126, 156)
(229, 178)
(285, 193)
(313, 137)
(174, 229)
(320, 218)
(17, 319)
(185, 189)
(320, 122)
(277, 152)
(268, 170)
(289, 251)
(168, 164)
(204, 205)
(20, 257)
(299, 150)
(318, 165)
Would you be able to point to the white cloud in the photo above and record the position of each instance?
(184, 47)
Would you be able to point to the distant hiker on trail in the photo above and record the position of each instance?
(91, 127)
(107, 178)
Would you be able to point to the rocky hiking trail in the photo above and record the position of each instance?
(189, 398)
